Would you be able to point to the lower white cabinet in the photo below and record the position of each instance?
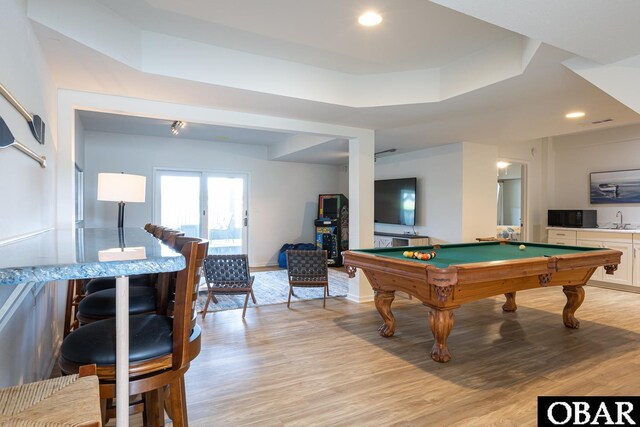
(624, 274)
(593, 244)
(628, 272)
(621, 242)
(636, 260)
(562, 237)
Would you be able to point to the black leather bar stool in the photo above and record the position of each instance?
(160, 348)
(102, 283)
(101, 304)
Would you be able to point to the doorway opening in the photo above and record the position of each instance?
(511, 201)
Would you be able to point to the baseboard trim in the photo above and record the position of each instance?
(359, 299)
(614, 286)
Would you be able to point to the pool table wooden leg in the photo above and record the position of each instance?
(510, 304)
(383, 300)
(575, 296)
(441, 323)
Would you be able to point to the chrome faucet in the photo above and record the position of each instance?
(620, 213)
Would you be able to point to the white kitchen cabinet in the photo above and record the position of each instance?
(562, 237)
(593, 244)
(624, 274)
(622, 242)
(625, 241)
(636, 260)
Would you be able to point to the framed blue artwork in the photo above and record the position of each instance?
(615, 187)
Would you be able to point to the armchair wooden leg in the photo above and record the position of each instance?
(290, 292)
(206, 305)
(253, 297)
(178, 402)
(325, 290)
(246, 300)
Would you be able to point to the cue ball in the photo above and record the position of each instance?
(522, 247)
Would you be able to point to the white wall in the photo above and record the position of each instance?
(439, 195)
(456, 198)
(30, 322)
(577, 155)
(24, 73)
(479, 202)
(283, 196)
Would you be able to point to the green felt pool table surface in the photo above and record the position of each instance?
(466, 253)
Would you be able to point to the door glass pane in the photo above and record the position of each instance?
(225, 214)
(180, 203)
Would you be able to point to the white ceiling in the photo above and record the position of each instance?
(117, 123)
(604, 31)
(415, 34)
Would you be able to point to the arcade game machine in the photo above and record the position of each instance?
(332, 226)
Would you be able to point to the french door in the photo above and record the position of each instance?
(204, 204)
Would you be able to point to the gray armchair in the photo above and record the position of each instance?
(308, 269)
(227, 275)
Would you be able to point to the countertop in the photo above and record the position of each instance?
(601, 230)
(85, 253)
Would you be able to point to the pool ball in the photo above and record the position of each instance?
(522, 247)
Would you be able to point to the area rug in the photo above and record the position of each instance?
(272, 287)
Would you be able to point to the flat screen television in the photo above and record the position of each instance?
(395, 201)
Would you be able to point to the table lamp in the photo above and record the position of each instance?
(121, 188)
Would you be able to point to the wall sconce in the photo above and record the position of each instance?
(176, 126)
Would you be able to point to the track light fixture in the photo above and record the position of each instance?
(176, 126)
(390, 150)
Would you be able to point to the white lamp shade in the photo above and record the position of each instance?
(120, 187)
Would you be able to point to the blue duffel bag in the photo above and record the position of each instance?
(282, 253)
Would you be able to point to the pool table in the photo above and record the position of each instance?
(461, 273)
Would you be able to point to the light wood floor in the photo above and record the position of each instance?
(313, 367)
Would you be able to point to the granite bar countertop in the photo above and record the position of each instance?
(85, 253)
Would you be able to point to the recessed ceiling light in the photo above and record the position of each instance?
(503, 165)
(575, 115)
(370, 19)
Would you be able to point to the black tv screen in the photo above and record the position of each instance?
(395, 201)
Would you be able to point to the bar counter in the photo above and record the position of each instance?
(87, 253)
